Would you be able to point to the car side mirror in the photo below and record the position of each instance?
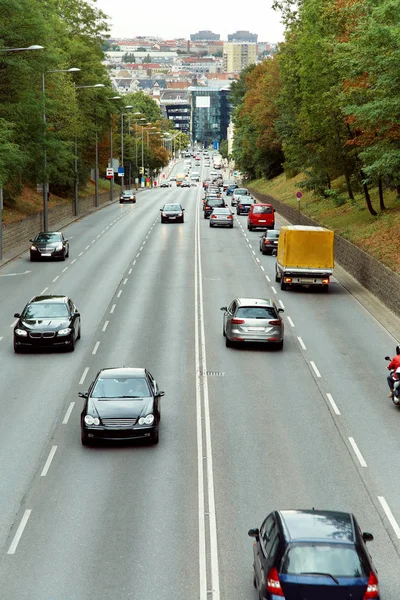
(224, 308)
(183, 209)
(255, 533)
(17, 316)
(387, 358)
(77, 313)
(66, 240)
(83, 394)
(31, 240)
(367, 537)
(281, 310)
(161, 209)
(160, 394)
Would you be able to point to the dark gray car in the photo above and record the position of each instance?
(49, 244)
(253, 320)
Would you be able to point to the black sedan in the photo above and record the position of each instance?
(269, 241)
(185, 183)
(172, 213)
(50, 244)
(127, 196)
(243, 205)
(122, 403)
(47, 322)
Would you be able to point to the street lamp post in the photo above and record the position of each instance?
(96, 175)
(45, 182)
(111, 151)
(35, 47)
(122, 147)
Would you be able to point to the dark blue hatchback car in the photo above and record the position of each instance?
(313, 555)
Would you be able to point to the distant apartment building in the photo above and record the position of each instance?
(201, 36)
(210, 113)
(238, 55)
(243, 36)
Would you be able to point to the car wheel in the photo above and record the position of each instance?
(283, 286)
(325, 289)
(155, 437)
(183, 220)
(33, 258)
(17, 349)
(71, 346)
(205, 216)
(228, 342)
(63, 257)
(277, 277)
(162, 221)
(254, 580)
(280, 345)
(231, 226)
(78, 337)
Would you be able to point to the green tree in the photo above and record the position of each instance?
(223, 148)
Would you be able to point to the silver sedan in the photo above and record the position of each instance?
(221, 217)
(253, 320)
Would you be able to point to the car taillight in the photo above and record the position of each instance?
(273, 583)
(267, 242)
(213, 216)
(230, 217)
(287, 279)
(372, 587)
(276, 322)
(325, 280)
(237, 321)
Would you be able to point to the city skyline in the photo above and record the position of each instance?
(173, 20)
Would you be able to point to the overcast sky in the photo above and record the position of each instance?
(169, 19)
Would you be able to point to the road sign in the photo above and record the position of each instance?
(109, 173)
(235, 173)
(299, 195)
(216, 145)
(120, 171)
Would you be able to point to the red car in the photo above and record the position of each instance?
(261, 216)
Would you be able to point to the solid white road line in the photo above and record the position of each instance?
(44, 291)
(13, 324)
(105, 325)
(85, 372)
(281, 304)
(314, 366)
(302, 344)
(48, 461)
(390, 516)
(55, 278)
(333, 404)
(125, 280)
(66, 269)
(119, 293)
(113, 308)
(68, 413)
(96, 347)
(357, 452)
(19, 532)
(290, 321)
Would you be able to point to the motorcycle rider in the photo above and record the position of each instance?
(392, 366)
(396, 383)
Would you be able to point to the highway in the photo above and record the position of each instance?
(243, 431)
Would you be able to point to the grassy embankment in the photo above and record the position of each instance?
(379, 236)
(31, 201)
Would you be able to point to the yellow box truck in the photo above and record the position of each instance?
(305, 256)
(179, 178)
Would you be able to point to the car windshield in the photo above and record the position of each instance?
(246, 201)
(45, 310)
(262, 210)
(221, 211)
(256, 312)
(48, 237)
(241, 192)
(337, 560)
(215, 202)
(172, 207)
(273, 234)
(128, 193)
(121, 387)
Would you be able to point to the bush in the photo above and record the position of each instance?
(334, 195)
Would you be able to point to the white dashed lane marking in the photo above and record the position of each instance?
(357, 452)
(125, 280)
(273, 289)
(66, 269)
(302, 343)
(72, 261)
(19, 532)
(68, 413)
(290, 321)
(314, 366)
(113, 308)
(119, 293)
(333, 404)
(13, 324)
(105, 325)
(48, 461)
(96, 347)
(55, 278)
(44, 291)
(390, 516)
(281, 304)
(85, 372)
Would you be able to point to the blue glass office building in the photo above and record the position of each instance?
(210, 114)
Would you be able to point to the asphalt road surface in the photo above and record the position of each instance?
(243, 431)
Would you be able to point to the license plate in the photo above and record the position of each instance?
(256, 328)
(172, 218)
(262, 221)
(46, 253)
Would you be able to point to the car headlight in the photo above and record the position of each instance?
(179, 214)
(33, 248)
(149, 420)
(21, 332)
(66, 331)
(59, 247)
(164, 214)
(89, 420)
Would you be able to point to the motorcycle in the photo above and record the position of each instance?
(396, 391)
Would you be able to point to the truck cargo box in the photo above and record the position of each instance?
(305, 247)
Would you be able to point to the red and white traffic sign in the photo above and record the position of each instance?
(109, 173)
(299, 195)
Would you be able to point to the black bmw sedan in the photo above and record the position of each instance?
(122, 403)
(47, 321)
(172, 213)
(50, 244)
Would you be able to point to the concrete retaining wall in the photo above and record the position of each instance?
(369, 272)
(17, 234)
